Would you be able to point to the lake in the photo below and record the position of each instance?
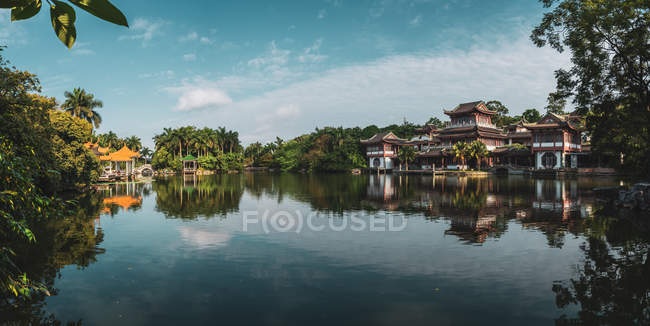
(341, 249)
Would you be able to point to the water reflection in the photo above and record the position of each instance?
(198, 196)
(609, 286)
(73, 240)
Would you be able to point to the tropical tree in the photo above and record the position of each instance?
(80, 104)
(609, 79)
(109, 140)
(477, 150)
(461, 151)
(63, 15)
(145, 152)
(406, 154)
(133, 143)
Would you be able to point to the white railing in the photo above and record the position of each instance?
(380, 153)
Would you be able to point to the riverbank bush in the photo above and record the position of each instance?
(41, 156)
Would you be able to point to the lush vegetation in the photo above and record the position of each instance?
(406, 154)
(326, 149)
(63, 15)
(216, 149)
(475, 150)
(609, 79)
(41, 156)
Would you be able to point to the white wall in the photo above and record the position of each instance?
(384, 162)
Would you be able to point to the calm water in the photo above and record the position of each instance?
(342, 249)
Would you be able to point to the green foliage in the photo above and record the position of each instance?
(207, 144)
(502, 118)
(461, 150)
(406, 154)
(477, 150)
(436, 123)
(63, 16)
(608, 79)
(76, 165)
(162, 159)
(531, 115)
(81, 104)
(133, 143)
(41, 154)
(556, 103)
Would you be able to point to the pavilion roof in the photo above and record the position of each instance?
(465, 108)
(189, 157)
(123, 155)
(552, 120)
(381, 137)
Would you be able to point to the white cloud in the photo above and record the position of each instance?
(189, 57)
(199, 94)
(143, 29)
(415, 86)
(206, 40)
(191, 36)
(81, 48)
(321, 14)
(274, 59)
(416, 21)
(167, 74)
(10, 33)
(312, 53)
(286, 112)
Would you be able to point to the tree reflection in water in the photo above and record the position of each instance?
(612, 287)
(73, 240)
(189, 197)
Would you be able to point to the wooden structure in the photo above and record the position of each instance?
(555, 140)
(190, 164)
(552, 143)
(381, 150)
(469, 122)
(125, 157)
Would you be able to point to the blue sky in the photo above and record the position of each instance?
(281, 68)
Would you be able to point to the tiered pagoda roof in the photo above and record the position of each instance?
(465, 108)
(473, 130)
(123, 155)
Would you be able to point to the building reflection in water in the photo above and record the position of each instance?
(125, 196)
(480, 207)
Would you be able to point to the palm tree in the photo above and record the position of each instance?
(477, 150)
(461, 150)
(82, 105)
(133, 143)
(146, 153)
(109, 140)
(406, 154)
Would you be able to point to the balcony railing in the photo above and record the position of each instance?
(380, 153)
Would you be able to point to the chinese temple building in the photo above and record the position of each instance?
(554, 142)
(470, 122)
(381, 150)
